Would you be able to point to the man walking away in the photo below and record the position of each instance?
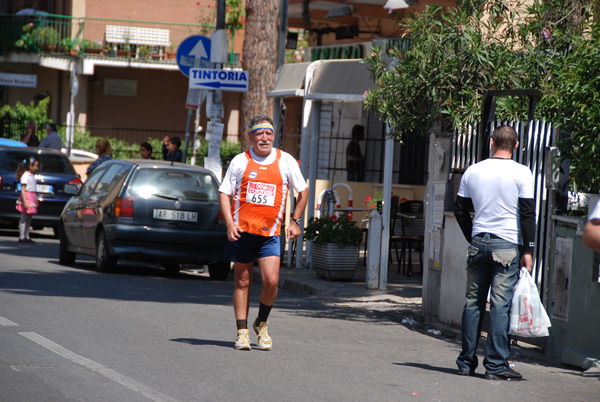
(257, 182)
(500, 191)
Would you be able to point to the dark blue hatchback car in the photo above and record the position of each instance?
(54, 173)
(146, 210)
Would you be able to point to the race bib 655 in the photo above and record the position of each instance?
(261, 193)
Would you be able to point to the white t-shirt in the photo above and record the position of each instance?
(29, 180)
(595, 212)
(287, 165)
(495, 186)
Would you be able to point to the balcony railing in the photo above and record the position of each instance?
(153, 42)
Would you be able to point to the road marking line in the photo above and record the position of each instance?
(5, 322)
(98, 368)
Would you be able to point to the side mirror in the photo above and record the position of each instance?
(70, 189)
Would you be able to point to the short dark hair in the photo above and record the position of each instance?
(505, 137)
(51, 126)
(176, 141)
(259, 118)
(147, 146)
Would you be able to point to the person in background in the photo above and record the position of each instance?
(104, 152)
(52, 139)
(257, 182)
(501, 193)
(29, 137)
(591, 232)
(170, 149)
(146, 150)
(27, 202)
(354, 158)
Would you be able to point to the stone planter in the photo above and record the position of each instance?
(333, 262)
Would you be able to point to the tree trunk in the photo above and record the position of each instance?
(260, 60)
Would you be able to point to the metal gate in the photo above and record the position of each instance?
(532, 152)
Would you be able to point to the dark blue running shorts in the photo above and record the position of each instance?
(250, 247)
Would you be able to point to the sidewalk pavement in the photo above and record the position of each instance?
(401, 302)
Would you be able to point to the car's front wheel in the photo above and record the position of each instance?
(65, 257)
(219, 271)
(104, 261)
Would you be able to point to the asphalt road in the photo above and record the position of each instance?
(68, 333)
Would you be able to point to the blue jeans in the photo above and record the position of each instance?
(493, 262)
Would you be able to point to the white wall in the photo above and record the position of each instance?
(454, 272)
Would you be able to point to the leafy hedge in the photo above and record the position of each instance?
(82, 138)
(458, 53)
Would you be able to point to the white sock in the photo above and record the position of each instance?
(22, 230)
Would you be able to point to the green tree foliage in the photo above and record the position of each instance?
(562, 42)
(21, 114)
(458, 53)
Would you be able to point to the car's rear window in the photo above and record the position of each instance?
(49, 163)
(185, 185)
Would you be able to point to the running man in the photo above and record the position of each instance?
(257, 183)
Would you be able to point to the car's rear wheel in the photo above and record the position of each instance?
(172, 269)
(104, 261)
(65, 257)
(219, 271)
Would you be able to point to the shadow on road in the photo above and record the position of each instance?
(203, 342)
(423, 366)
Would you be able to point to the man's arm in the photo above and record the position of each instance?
(233, 230)
(462, 211)
(294, 230)
(527, 220)
(26, 138)
(591, 235)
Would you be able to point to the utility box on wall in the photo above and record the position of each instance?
(563, 255)
(574, 297)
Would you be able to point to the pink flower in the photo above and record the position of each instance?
(367, 199)
(365, 94)
(546, 33)
(373, 54)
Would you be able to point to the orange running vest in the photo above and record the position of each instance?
(259, 205)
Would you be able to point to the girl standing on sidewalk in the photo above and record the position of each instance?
(27, 203)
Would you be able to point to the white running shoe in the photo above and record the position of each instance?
(242, 342)
(264, 340)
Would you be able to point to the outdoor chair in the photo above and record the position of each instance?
(410, 224)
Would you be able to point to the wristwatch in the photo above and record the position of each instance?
(296, 220)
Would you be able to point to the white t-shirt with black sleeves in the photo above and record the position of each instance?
(495, 185)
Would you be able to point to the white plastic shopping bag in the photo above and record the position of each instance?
(528, 317)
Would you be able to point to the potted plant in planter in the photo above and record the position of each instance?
(335, 246)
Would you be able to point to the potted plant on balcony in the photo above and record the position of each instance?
(335, 246)
(44, 38)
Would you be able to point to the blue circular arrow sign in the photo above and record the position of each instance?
(193, 52)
